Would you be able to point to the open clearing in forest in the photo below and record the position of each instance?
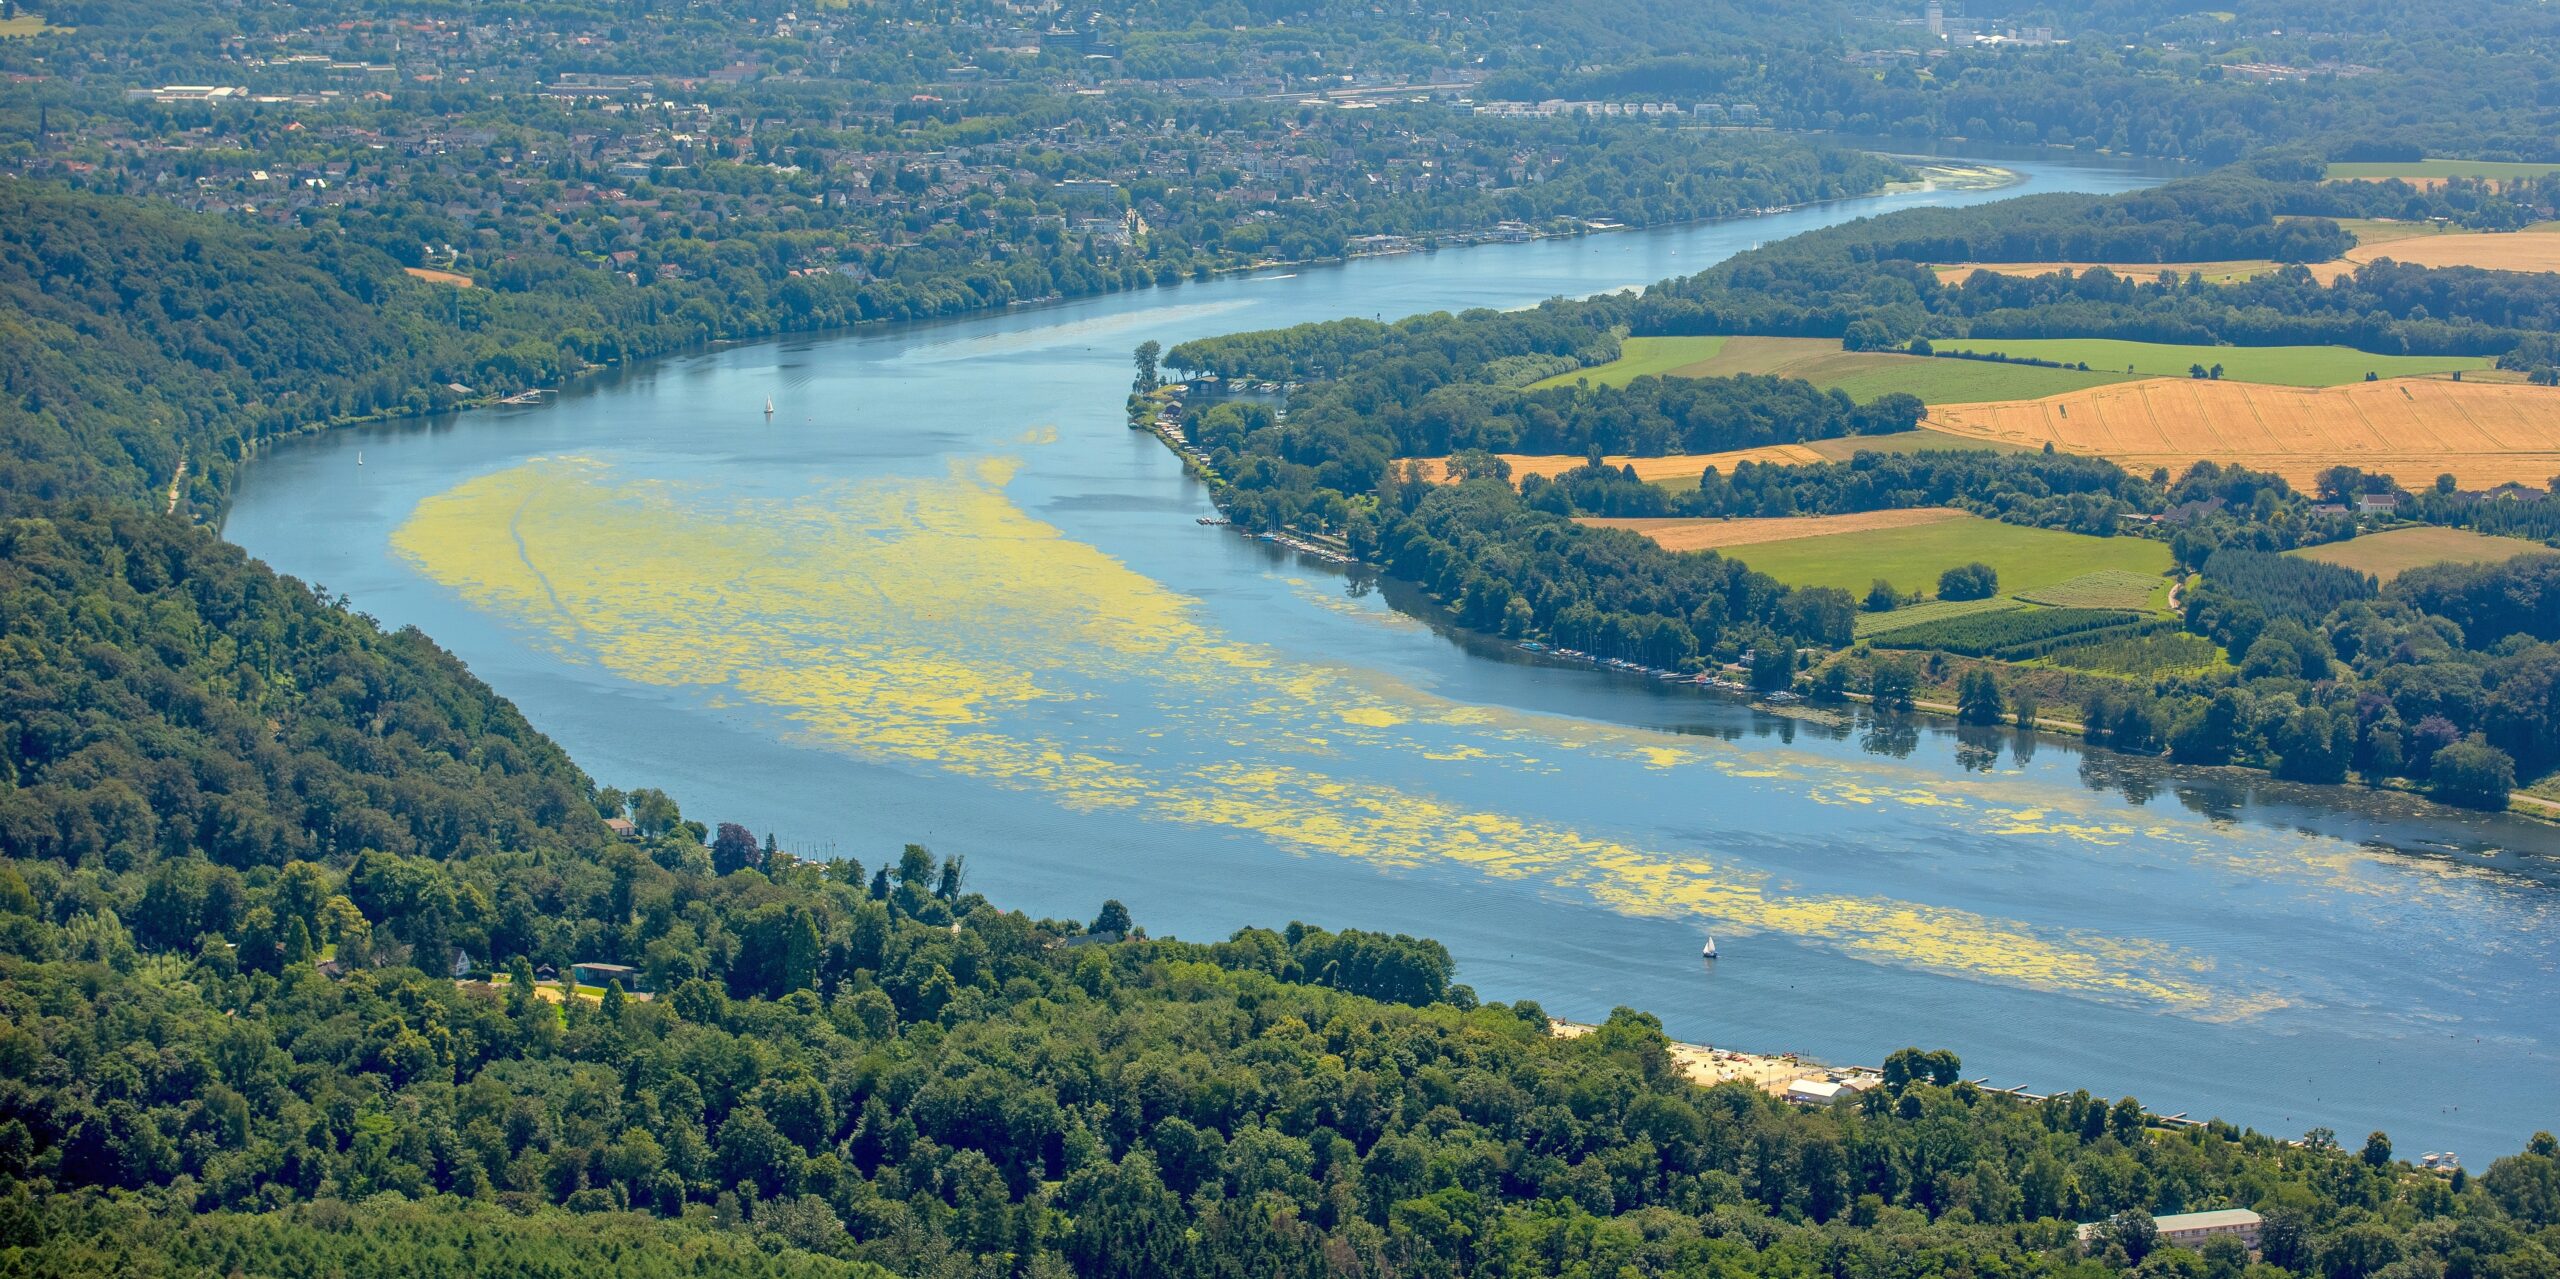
(1681, 470)
(433, 276)
(2390, 553)
(2283, 365)
(2412, 429)
(2446, 245)
(1913, 555)
(1862, 375)
(1714, 534)
(2145, 272)
(1672, 467)
(2431, 173)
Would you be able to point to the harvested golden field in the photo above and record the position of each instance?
(1706, 535)
(2412, 429)
(2390, 553)
(2488, 250)
(433, 276)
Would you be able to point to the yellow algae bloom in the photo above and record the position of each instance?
(933, 622)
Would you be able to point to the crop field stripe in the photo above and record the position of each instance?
(2487, 436)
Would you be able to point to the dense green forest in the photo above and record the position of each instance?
(248, 1057)
(277, 883)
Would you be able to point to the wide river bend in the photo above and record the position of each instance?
(944, 596)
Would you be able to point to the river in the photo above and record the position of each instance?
(944, 596)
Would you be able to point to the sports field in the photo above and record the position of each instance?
(2390, 553)
(1912, 556)
(2280, 365)
(2430, 172)
(2413, 430)
(1863, 375)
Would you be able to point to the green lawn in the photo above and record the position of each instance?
(2278, 365)
(2499, 169)
(27, 24)
(1640, 357)
(1911, 558)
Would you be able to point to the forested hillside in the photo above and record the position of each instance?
(161, 694)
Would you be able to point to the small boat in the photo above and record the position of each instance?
(359, 457)
(1708, 951)
(768, 406)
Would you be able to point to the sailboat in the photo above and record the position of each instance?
(1708, 951)
(359, 457)
(768, 406)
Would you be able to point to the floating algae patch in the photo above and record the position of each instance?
(933, 622)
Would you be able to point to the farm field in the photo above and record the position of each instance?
(2281, 365)
(1922, 440)
(1685, 467)
(2413, 430)
(2106, 588)
(1639, 357)
(2143, 656)
(2434, 172)
(1911, 615)
(1911, 557)
(1863, 375)
(2371, 235)
(1705, 535)
(2390, 553)
(2528, 250)
(2372, 231)
(1681, 470)
(2214, 272)
(433, 276)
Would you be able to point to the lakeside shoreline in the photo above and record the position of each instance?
(251, 449)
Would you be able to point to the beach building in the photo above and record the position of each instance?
(2191, 1229)
(1826, 1092)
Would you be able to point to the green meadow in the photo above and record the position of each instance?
(2027, 559)
(2501, 170)
(1862, 375)
(2276, 365)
